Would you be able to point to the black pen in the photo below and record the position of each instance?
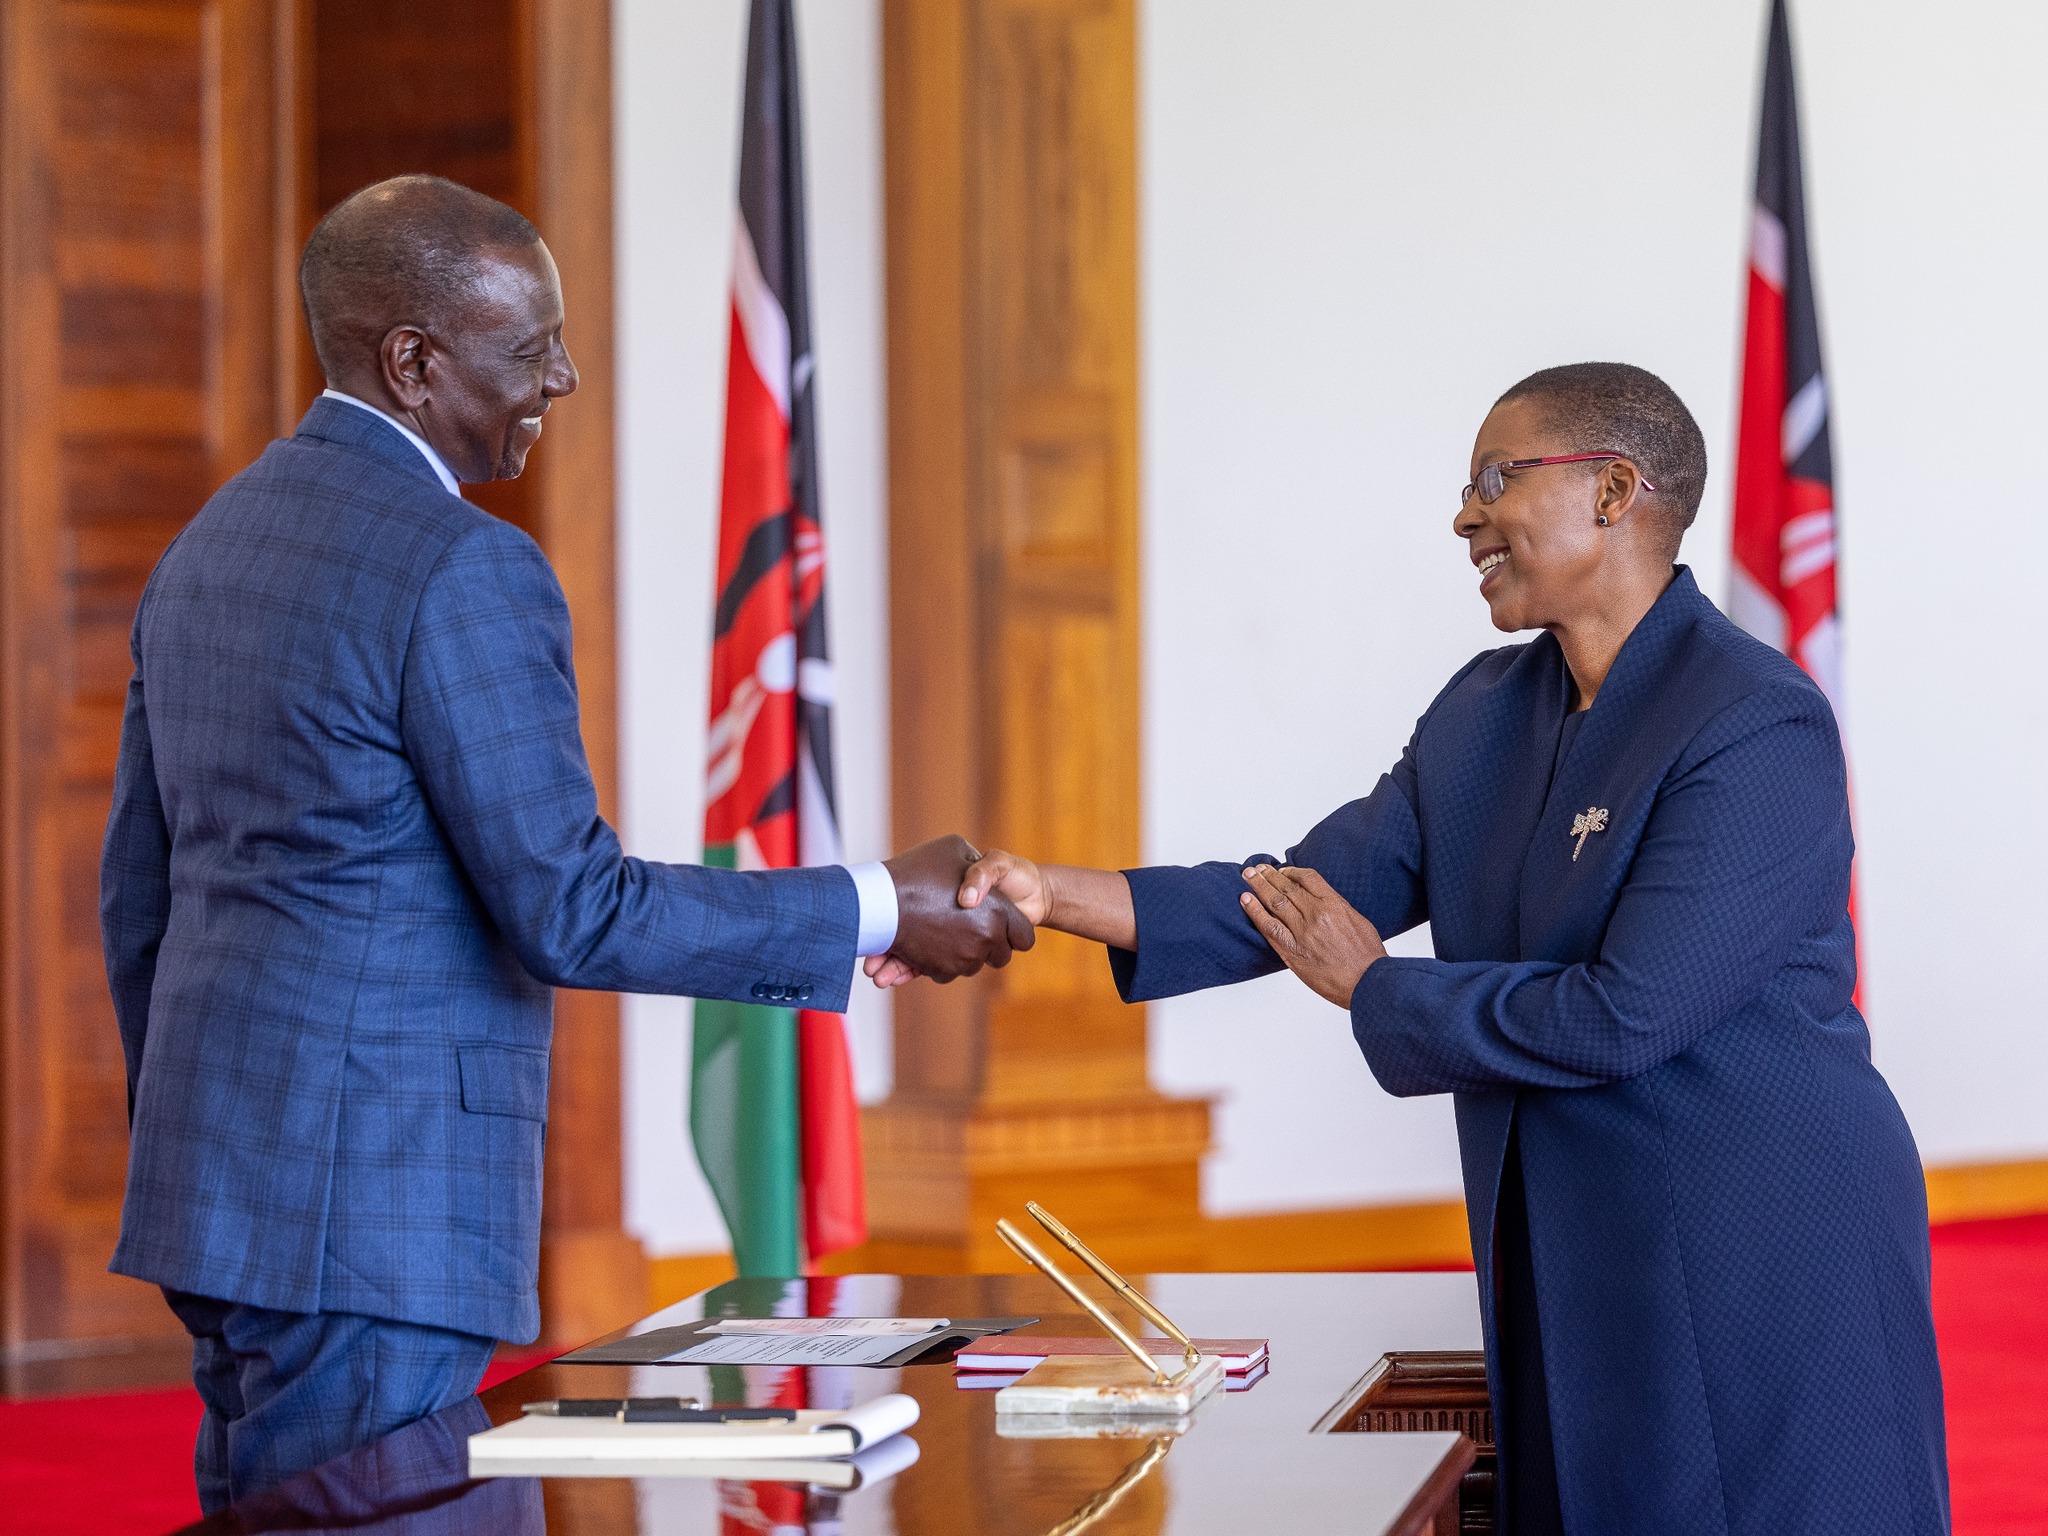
(654, 1410)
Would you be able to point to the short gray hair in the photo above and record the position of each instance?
(403, 250)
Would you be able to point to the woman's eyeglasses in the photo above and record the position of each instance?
(1493, 479)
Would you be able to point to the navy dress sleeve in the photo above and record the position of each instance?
(1730, 875)
(1193, 934)
(492, 729)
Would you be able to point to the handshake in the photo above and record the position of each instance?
(938, 934)
(958, 910)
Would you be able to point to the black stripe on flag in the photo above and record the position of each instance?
(1781, 189)
(766, 546)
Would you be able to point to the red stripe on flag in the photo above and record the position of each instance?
(835, 1194)
(761, 719)
(1759, 454)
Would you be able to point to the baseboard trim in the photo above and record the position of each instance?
(1977, 1191)
(1429, 1235)
(672, 1278)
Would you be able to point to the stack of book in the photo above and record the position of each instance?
(997, 1361)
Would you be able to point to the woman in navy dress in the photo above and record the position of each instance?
(1698, 1215)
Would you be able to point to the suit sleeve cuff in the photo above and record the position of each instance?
(876, 889)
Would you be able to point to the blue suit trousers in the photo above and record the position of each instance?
(286, 1391)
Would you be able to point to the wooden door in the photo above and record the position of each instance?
(137, 324)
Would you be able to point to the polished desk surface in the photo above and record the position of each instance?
(1248, 1462)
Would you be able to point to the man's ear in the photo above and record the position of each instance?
(404, 359)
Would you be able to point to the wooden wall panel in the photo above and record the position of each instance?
(1012, 143)
(138, 214)
(437, 86)
(161, 162)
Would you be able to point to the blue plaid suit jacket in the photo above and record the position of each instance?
(1727, 1220)
(354, 843)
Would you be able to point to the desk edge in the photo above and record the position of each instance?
(1418, 1518)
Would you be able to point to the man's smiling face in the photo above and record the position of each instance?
(499, 367)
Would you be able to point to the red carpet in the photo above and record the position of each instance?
(1989, 1277)
(115, 1465)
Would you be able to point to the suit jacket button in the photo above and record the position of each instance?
(761, 989)
(803, 994)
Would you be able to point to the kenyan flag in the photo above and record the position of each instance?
(772, 1109)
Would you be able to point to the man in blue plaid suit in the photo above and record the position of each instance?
(355, 843)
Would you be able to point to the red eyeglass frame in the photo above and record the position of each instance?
(1497, 473)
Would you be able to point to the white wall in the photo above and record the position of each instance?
(1361, 224)
(677, 66)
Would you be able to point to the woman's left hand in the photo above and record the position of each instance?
(1325, 940)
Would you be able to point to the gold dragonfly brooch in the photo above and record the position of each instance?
(1593, 819)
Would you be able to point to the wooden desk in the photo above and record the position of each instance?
(1249, 1463)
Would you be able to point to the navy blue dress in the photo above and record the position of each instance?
(1643, 985)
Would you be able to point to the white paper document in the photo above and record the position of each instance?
(792, 1349)
(842, 1327)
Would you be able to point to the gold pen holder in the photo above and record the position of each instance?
(1090, 1384)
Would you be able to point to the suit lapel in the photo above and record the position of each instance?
(1488, 761)
(1593, 816)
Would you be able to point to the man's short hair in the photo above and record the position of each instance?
(1595, 406)
(399, 251)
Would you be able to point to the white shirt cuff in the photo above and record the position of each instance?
(876, 888)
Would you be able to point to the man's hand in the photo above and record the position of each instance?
(1324, 940)
(935, 935)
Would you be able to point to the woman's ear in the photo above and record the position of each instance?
(1616, 490)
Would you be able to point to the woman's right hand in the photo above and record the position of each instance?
(1015, 877)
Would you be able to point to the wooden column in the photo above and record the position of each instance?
(137, 224)
(1013, 422)
(593, 1274)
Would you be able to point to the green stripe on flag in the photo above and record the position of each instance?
(743, 1118)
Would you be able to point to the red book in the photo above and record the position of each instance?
(1020, 1351)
